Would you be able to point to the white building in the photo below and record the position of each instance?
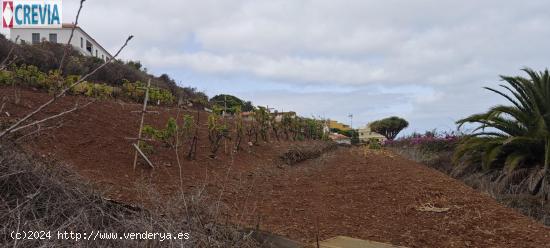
(366, 134)
(82, 42)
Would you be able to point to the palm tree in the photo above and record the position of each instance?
(513, 136)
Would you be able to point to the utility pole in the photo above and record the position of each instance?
(351, 120)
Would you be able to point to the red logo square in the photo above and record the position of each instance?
(7, 14)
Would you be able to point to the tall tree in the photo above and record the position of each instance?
(389, 127)
(231, 102)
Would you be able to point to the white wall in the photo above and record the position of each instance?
(62, 37)
(6, 32)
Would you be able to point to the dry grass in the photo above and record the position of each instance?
(46, 196)
(299, 153)
(515, 190)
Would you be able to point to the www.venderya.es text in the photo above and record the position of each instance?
(98, 235)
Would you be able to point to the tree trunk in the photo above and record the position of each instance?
(238, 142)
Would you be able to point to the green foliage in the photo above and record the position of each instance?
(275, 126)
(6, 78)
(216, 131)
(162, 96)
(248, 106)
(29, 76)
(239, 128)
(287, 122)
(515, 135)
(169, 133)
(262, 118)
(374, 144)
(313, 128)
(352, 134)
(166, 135)
(46, 57)
(136, 92)
(232, 103)
(389, 127)
(52, 81)
(135, 64)
(146, 147)
(101, 91)
(187, 126)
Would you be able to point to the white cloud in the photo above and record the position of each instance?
(444, 51)
(296, 69)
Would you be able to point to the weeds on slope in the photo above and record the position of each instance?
(38, 196)
(515, 189)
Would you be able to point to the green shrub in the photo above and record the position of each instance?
(6, 78)
(133, 91)
(30, 76)
(216, 131)
(374, 144)
(146, 148)
(166, 135)
(46, 57)
(101, 91)
(80, 89)
(158, 95)
(53, 82)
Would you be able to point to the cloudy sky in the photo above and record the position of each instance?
(424, 60)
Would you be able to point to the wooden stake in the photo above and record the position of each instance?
(143, 155)
(143, 112)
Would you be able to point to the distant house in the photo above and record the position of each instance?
(279, 115)
(337, 125)
(81, 41)
(366, 134)
(247, 116)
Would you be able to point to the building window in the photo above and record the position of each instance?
(81, 42)
(89, 46)
(53, 38)
(35, 38)
(102, 57)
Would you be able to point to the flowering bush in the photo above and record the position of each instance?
(430, 141)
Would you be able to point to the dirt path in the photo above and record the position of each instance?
(375, 197)
(378, 198)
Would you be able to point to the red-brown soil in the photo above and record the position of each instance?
(344, 192)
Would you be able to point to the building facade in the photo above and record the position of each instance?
(337, 125)
(366, 134)
(82, 42)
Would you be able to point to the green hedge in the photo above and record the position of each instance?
(31, 76)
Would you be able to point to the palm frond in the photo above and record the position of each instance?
(510, 136)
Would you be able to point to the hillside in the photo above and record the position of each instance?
(47, 57)
(375, 195)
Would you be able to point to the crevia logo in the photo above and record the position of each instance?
(32, 14)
